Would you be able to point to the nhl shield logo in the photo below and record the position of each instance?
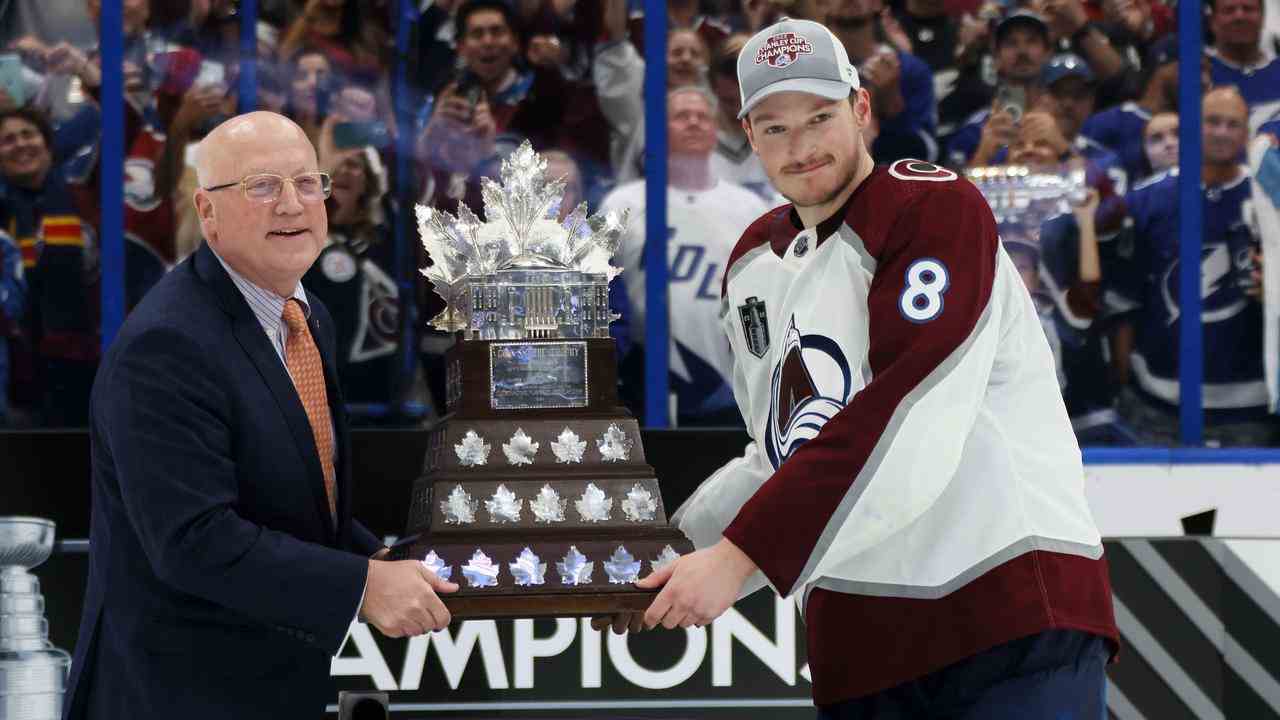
(783, 49)
(755, 326)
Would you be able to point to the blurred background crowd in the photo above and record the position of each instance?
(1087, 88)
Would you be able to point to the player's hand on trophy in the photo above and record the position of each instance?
(698, 587)
(401, 598)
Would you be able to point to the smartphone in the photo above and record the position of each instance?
(1012, 100)
(468, 88)
(211, 73)
(348, 135)
(11, 80)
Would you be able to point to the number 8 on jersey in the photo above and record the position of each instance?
(926, 280)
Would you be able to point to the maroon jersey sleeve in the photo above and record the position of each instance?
(932, 285)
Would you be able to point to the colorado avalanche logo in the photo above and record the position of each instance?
(802, 398)
(783, 49)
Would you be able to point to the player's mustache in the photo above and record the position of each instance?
(806, 163)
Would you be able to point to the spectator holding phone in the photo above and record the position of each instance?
(1021, 49)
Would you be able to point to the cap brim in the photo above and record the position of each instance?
(829, 89)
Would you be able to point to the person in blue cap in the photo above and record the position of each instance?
(1070, 96)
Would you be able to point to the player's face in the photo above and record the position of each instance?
(1226, 127)
(691, 124)
(811, 147)
(1161, 141)
(1237, 22)
(24, 156)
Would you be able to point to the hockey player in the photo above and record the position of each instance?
(912, 478)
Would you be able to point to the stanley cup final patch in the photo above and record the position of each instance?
(755, 326)
(783, 49)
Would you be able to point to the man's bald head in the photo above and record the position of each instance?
(1226, 99)
(1226, 126)
(232, 143)
(270, 238)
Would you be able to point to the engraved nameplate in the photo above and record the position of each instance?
(535, 376)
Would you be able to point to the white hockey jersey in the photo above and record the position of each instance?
(912, 475)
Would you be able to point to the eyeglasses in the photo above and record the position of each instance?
(312, 187)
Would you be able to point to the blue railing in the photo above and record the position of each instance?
(657, 394)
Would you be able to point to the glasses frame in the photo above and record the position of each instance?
(326, 183)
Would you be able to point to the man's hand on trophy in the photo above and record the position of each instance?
(400, 598)
(698, 587)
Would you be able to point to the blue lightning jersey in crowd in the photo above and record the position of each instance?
(1120, 129)
(1259, 84)
(1147, 284)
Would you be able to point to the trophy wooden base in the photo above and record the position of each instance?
(535, 497)
(598, 594)
(560, 605)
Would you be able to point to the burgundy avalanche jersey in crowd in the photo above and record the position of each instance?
(912, 475)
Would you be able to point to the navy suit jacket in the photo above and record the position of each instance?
(218, 586)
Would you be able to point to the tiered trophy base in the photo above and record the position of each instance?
(553, 598)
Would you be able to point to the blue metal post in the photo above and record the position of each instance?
(1191, 222)
(656, 331)
(111, 170)
(406, 17)
(247, 90)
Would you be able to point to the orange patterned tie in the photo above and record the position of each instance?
(303, 359)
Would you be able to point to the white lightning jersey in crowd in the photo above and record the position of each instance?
(702, 228)
(912, 476)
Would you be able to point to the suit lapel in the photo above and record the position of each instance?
(254, 342)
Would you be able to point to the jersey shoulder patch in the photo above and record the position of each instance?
(922, 171)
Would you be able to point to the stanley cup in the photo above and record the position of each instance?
(33, 673)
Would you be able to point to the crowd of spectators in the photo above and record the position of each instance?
(1076, 86)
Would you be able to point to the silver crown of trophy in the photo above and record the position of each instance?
(1022, 198)
(33, 673)
(523, 274)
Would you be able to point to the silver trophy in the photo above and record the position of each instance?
(523, 274)
(1022, 198)
(33, 673)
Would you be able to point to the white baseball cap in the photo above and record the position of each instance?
(795, 55)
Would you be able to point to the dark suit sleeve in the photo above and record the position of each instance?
(168, 425)
(363, 539)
